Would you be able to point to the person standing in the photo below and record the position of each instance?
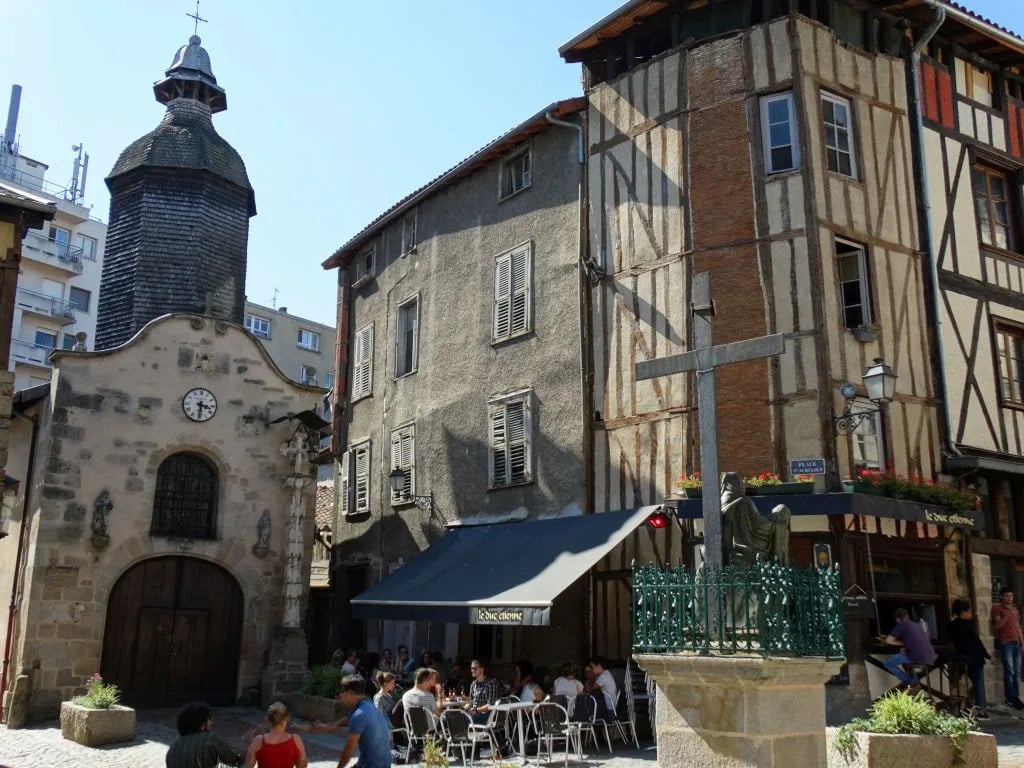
(914, 644)
(278, 748)
(972, 651)
(368, 730)
(1006, 621)
(195, 746)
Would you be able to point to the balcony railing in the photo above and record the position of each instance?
(31, 353)
(768, 610)
(67, 256)
(48, 306)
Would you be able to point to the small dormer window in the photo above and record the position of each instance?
(409, 241)
(365, 266)
(516, 173)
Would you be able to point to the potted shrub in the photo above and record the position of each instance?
(96, 718)
(901, 727)
(690, 486)
(319, 700)
(770, 484)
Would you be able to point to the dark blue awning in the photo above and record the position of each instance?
(847, 504)
(506, 573)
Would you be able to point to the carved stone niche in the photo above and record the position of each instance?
(100, 509)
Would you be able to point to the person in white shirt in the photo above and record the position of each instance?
(566, 684)
(528, 689)
(604, 682)
(349, 667)
(424, 693)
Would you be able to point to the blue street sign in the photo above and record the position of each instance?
(806, 467)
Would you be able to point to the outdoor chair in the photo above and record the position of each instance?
(419, 724)
(562, 701)
(630, 721)
(551, 723)
(399, 734)
(503, 725)
(459, 732)
(585, 717)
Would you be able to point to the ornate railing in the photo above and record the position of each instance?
(767, 610)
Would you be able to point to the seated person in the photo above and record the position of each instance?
(603, 683)
(566, 683)
(483, 692)
(525, 686)
(914, 644)
(425, 692)
(384, 699)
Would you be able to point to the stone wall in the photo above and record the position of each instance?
(112, 419)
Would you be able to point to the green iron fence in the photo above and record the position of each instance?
(766, 610)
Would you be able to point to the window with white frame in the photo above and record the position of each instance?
(365, 266)
(328, 380)
(838, 119)
(512, 280)
(62, 238)
(516, 173)
(778, 126)
(307, 374)
(309, 340)
(867, 451)
(86, 245)
(361, 477)
(409, 241)
(407, 332)
(258, 326)
(403, 457)
(854, 286)
(362, 363)
(510, 439)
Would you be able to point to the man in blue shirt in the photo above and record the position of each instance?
(368, 729)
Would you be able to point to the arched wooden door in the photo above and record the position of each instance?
(173, 633)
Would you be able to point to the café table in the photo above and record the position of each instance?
(520, 708)
(455, 703)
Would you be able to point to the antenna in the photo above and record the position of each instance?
(74, 193)
(273, 301)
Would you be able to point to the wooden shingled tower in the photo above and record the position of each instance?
(180, 203)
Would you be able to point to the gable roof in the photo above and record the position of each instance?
(481, 157)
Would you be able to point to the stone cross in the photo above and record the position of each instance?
(704, 359)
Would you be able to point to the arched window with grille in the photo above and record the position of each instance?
(185, 504)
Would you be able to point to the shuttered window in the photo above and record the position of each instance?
(510, 440)
(344, 489)
(403, 457)
(362, 363)
(361, 475)
(512, 280)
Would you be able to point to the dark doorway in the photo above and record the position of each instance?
(173, 633)
(353, 631)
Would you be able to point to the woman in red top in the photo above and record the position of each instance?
(277, 749)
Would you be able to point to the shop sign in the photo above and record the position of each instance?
(806, 467)
(857, 604)
(500, 615)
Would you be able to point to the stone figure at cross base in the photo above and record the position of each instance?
(746, 534)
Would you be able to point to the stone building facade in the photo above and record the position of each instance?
(171, 555)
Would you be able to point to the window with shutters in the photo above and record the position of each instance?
(362, 363)
(403, 457)
(407, 333)
(344, 487)
(512, 300)
(360, 478)
(515, 173)
(510, 440)
(185, 502)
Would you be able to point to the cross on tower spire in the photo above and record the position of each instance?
(197, 18)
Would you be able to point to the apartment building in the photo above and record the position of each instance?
(303, 349)
(61, 265)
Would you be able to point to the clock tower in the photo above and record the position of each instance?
(180, 203)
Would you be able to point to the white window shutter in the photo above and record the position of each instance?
(520, 290)
(343, 485)
(502, 296)
(499, 452)
(517, 437)
(362, 367)
(403, 456)
(362, 474)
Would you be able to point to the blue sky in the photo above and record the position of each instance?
(338, 108)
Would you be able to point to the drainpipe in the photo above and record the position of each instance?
(339, 433)
(586, 353)
(16, 580)
(926, 227)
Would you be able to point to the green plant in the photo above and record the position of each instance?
(99, 695)
(761, 480)
(901, 713)
(324, 681)
(433, 754)
(690, 481)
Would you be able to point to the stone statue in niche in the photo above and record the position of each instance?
(262, 545)
(746, 535)
(100, 509)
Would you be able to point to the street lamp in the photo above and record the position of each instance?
(880, 383)
(397, 478)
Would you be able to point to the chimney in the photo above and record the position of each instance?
(10, 132)
(283, 310)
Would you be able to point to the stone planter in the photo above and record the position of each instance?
(876, 750)
(314, 707)
(855, 486)
(690, 493)
(782, 489)
(96, 727)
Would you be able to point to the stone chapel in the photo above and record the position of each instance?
(164, 536)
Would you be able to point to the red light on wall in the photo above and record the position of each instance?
(658, 520)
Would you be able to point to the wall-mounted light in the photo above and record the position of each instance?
(880, 383)
(397, 478)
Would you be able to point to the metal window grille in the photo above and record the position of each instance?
(185, 505)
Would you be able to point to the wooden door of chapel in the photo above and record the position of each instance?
(173, 633)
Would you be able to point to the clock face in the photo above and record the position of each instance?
(199, 404)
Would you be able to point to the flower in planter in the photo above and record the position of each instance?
(761, 480)
(99, 695)
(691, 482)
(803, 479)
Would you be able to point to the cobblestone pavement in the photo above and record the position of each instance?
(43, 746)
